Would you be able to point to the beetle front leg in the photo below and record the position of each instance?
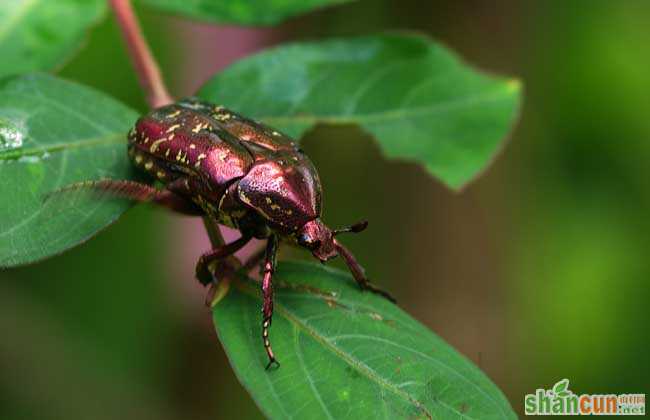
(358, 274)
(267, 293)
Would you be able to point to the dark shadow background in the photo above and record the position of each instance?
(538, 271)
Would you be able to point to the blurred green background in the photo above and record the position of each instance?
(538, 271)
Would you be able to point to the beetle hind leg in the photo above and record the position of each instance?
(169, 197)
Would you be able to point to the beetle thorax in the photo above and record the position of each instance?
(284, 190)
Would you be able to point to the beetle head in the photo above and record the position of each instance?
(319, 239)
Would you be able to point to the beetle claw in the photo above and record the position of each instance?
(271, 363)
(374, 289)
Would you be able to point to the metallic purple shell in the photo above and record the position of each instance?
(284, 188)
(196, 138)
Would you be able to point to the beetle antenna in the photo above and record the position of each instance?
(355, 228)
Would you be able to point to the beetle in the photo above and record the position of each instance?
(239, 173)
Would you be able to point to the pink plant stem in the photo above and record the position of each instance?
(144, 62)
(149, 74)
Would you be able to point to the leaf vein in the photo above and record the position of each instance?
(349, 359)
(391, 114)
(296, 344)
(53, 148)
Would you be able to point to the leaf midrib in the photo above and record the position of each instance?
(358, 365)
(58, 147)
(343, 277)
(392, 114)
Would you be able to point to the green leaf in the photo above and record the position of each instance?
(561, 388)
(53, 133)
(347, 354)
(241, 12)
(418, 100)
(39, 34)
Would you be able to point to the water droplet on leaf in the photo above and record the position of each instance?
(33, 158)
(10, 136)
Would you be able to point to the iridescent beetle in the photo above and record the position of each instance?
(240, 173)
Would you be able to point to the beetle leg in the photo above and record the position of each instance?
(358, 272)
(267, 293)
(134, 191)
(203, 273)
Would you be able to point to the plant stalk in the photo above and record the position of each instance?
(150, 77)
(143, 61)
(214, 233)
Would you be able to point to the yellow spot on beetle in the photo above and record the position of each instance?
(172, 128)
(199, 158)
(244, 197)
(138, 159)
(148, 165)
(156, 144)
(174, 114)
